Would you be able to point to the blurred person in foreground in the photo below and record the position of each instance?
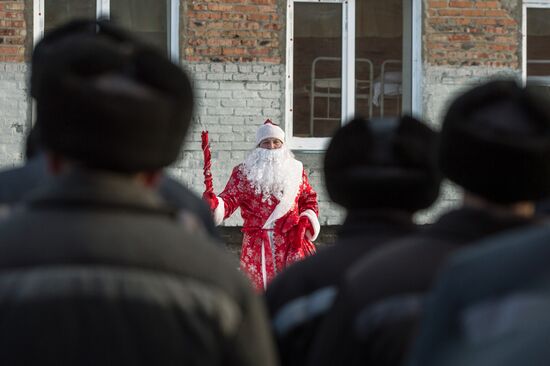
(278, 205)
(96, 269)
(490, 304)
(382, 171)
(491, 147)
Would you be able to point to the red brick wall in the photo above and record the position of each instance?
(232, 30)
(471, 33)
(12, 31)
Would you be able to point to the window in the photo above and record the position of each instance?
(155, 22)
(536, 44)
(346, 58)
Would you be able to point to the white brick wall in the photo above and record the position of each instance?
(330, 213)
(14, 112)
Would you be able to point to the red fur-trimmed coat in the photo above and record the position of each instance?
(272, 237)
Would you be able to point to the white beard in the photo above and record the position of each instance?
(267, 171)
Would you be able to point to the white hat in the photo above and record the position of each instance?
(267, 130)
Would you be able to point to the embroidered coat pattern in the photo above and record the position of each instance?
(267, 250)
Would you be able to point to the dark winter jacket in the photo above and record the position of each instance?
(94, 270)
(401, 272)
(300, 296)
(490, 305)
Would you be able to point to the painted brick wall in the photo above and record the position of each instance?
(471, 33)
(329, 212)
(14, 105)
(14, 112)
(232, 30)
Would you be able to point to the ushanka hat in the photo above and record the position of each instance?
(269, 130)
(383, 163)
(495, 142)
(107, 100)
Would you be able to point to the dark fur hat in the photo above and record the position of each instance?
(495, 142)
(383, 163)
(108, 100)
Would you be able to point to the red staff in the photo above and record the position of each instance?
(207, 161)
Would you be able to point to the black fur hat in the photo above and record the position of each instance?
(383, 163)
(495, 142)
(107, 100)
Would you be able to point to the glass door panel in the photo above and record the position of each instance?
(379, 57)
(317, 105)
(145, 18)
(57, 12)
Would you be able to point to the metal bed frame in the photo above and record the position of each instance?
(331, 88)
(383, 84)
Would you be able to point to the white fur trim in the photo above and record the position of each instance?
(310, 214)
(295, 172)
(269, 130)
(219, 212)
(264, 270)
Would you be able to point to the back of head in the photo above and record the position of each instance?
(383, 163)
(107, 100)
(495, 143)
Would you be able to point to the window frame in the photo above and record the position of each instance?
(103, 10)
(412, 55)
(528, 4)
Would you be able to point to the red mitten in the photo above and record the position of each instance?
(210, 198)
(305, 226)
(300, 247)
